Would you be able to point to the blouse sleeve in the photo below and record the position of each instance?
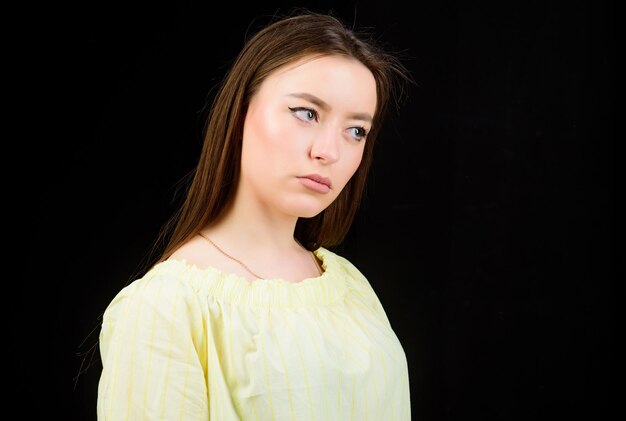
(153, 353)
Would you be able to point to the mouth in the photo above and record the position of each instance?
(316, 183)
(318, 179)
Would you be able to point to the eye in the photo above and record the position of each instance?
(359, 133)
(304, 114)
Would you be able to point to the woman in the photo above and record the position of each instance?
(248, 314)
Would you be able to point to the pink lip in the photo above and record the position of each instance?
(318, 178)
(316, 183)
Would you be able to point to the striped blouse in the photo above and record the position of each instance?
(190, 343)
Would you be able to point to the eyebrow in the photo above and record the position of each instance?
(324, 106)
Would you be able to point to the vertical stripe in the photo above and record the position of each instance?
(187, 371)
(132, 354)
(369, 332)
(405, 392)
(349, 333)
(116, 361)
(339, 397)
(169, 353)
(365, 399)
(232, 355)
(282, 358)
(155, 312)
(376, 393)
(256, 415)
(391, 351)
(353, 396)
(214, 400)
(378, 316)
(306, 378)
(323, 368)
(209, 368)
(267, 378)
(386, 391)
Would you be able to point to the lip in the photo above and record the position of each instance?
(319, 179)
(316, 183)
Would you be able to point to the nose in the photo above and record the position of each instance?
(325, 146)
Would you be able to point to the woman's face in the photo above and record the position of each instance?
(308, 119)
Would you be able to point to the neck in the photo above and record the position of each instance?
(253, 229)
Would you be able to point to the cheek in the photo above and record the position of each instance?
(266, 134)
(257, 130)
(351, 166)
(356, 162)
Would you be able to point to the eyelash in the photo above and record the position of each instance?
(296, 110)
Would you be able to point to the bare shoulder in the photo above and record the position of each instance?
(194, 252)
(198, 252)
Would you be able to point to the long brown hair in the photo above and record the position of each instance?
(216, 175)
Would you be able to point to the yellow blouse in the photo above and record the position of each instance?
(189, 343)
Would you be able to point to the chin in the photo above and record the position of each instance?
(305, 207)
(307, 211)
(307, 215)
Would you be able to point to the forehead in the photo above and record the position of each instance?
(342, 82)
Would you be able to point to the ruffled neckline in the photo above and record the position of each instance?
(277, 292)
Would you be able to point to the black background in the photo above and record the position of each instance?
(487, 228)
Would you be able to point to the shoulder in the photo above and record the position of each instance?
(356, 281)
(158, 308)
(341, 261)
(165, 286)
(343, 266)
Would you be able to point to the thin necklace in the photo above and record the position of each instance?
(242, 263)
(229, 256)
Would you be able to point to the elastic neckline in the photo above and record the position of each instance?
(276, 292)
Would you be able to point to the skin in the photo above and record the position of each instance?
(308, 117)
